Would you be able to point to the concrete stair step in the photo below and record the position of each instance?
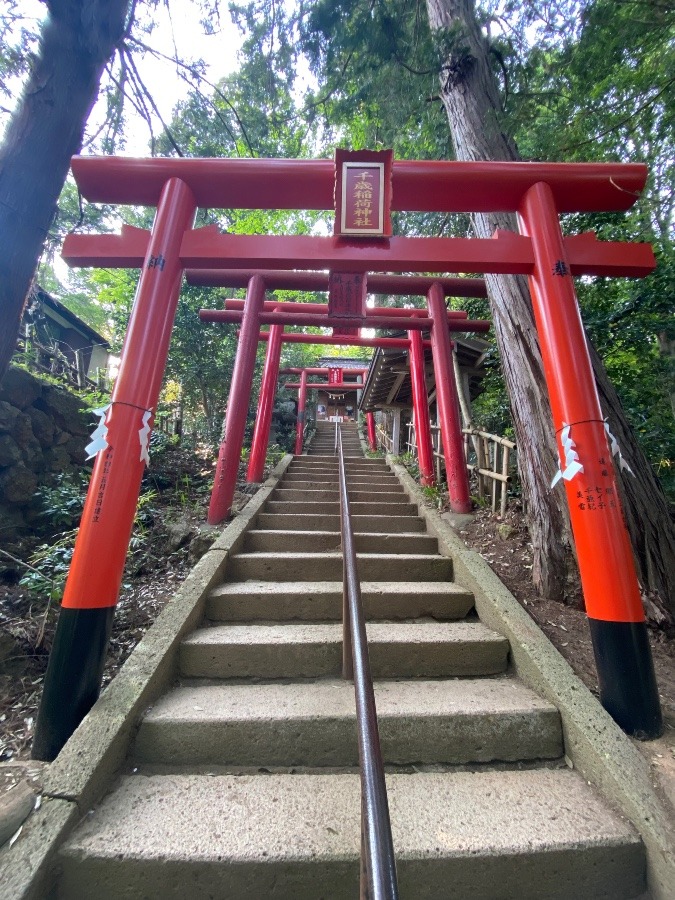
(312, 507)
(360, 524)
(491, 835)
(330, 461)
(332, 507)
(332, 474)
(314, 478)
(374, 485)
(314, 725)
(322, 600)
(297, 566)
(312, 650)
(294, 494)
(277, 541)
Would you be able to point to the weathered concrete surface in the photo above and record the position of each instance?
(453, 833)
(322, 600)
(331, 522)
(333, 507)
(593, 741)
(289, 566)
(300, 650)
(15, 806)
(300, 724)
(319, 494)
(278, 541)
(383, 479)
(26, 867)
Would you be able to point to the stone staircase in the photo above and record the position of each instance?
(243, 780)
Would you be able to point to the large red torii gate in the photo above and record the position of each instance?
(538, 192)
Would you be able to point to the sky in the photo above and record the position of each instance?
(178, 33)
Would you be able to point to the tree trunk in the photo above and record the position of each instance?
(471, 99)
(45, 131)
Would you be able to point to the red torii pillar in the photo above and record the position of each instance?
(261, 432)
(425, 453)
(237, 406)
(448, 404)
(302, 403)
(73, 678)
(372, 434)
(628, 689)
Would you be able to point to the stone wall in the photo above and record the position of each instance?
(43, 431)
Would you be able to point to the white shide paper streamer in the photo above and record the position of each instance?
(615, 450)
(99, 437)
(572, 464)
(144, 437)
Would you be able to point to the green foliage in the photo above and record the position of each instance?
(274, 455)
(63, 500)
(49, 565)
(410, 463)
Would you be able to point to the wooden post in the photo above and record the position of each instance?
(73, 678)
(396, 433)
(237, 405)
(611, 592)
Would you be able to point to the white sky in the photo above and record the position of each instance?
(178, 33)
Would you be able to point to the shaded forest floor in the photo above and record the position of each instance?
(171, 536)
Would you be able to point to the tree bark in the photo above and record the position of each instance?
(471, 99)
(46, 129)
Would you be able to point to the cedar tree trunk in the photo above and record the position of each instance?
(471, 99)
(46, 129)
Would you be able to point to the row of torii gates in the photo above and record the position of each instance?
(344, 292)
(363, 188)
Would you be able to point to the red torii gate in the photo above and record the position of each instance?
(303, 387)
(538, 192)
(412, 320)
(275, 313)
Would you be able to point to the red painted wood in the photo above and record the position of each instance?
(391, 343)
(302, 404)
(325, 386)
(417, 323)
(107, 519)
(448, 406)
(610, 586)
(290, 306)
(372, 436)
(425, 454)
(204, 248)
(313, 370)
(397, 285)
(237, 406)
(261, 431)
(422, 185)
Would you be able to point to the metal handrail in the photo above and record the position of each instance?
(378, 865)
